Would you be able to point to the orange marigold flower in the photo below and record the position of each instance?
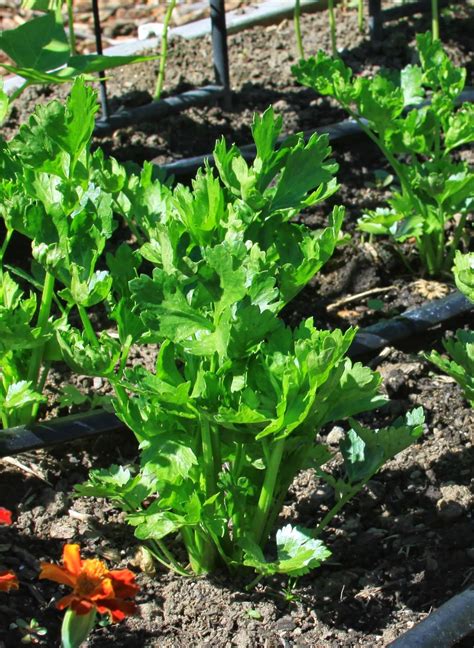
(8, 581)
(93, 585)
(5, 516)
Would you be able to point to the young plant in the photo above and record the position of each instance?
(41, 54)
(232, 411)
(418, 138)
(60, 195)
(460, 362)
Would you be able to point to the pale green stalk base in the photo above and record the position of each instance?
(435, 19)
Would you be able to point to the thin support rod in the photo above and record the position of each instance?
(98, 43)
(375, 19)
(219, 47)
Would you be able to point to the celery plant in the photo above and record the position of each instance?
(418, 138)
(233, 409)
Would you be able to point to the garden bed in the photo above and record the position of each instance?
(406, 543)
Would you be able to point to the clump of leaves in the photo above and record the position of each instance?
(414, 119)
(31, 631)
(60, 195)
(460, 361)
(232, 411)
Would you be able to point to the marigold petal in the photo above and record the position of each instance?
(82, 606)
(124, 583)
(65, 601)
(104, 590)
(72, 558)
(5, 516)
(8, 581)
(117, 608)
(57, 574)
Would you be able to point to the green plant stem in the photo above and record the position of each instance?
(164, 50)
(435, 19)
(40, 387)
(86, 323)
(337, 507)
(125, 353)
(268, 487)
(3, 249)
(360, 15)
(391, 158)
(43, 316)
(208, 456)
(158, 550)
(332, 27)
(18, 92)
(297, 24)
(70, 20)
(453, 246)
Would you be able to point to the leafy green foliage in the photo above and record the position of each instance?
(417, 138)
(464, 273)
(232, 410)
(297, 553)
(41, 53)
(460, 361)
(58, 194)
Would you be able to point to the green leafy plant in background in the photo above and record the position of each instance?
(418, 139)
(60, 195)
(232, 410)
(460, 361)
(41, 54)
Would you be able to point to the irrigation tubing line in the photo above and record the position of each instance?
(444, 627)
(338, 131)
(368, 342)
(151, 111)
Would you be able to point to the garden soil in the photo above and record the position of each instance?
(404, 545)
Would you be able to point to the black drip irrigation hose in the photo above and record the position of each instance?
(410, 323)
(338, 131)
(151, 111)
(59, 430)
(444, 627)
(189, 166)
(368, 342)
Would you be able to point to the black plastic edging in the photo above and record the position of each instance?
(337, 131)
(444, 627)
(368, 342)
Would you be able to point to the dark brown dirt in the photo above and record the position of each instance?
(406, 544)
